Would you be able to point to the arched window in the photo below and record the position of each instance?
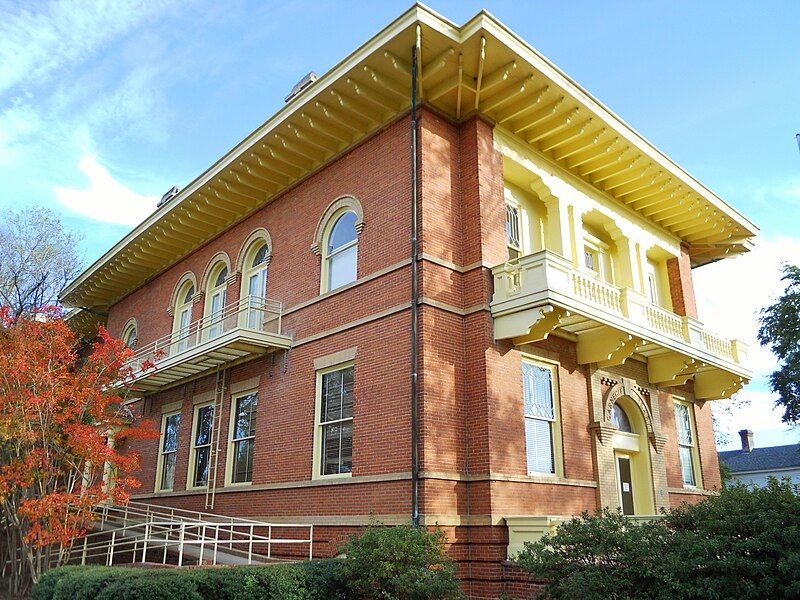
(216, 299)
(182, 317)
(340, 252)
(130, 335)
(620, 419)
(254, 282)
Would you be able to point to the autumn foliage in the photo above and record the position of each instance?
(61, 416)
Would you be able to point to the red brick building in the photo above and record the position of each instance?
(560, 362)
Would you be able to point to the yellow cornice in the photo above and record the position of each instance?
(481, 66)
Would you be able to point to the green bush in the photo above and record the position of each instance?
(303, 581)
(391, 563)
(399, 563)
(743, 544)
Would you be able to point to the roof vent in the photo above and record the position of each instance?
(301, 85)
(168, 196)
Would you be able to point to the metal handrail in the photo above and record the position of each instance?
(250, 313)
(154, 528)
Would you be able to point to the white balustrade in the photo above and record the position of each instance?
(544, 274)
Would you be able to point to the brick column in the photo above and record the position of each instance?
(681, 288)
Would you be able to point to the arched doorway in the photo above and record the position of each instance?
(632, 458)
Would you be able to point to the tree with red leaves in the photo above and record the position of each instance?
(60, 415)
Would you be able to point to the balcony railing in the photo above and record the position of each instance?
(251, 320)
(546, 278)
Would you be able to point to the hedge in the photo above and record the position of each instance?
(300, 581)
(390, 563)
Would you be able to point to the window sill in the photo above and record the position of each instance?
(239, 484)
(334, 476)
(196, 488)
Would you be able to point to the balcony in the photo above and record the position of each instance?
(250, 326)
(541, 293)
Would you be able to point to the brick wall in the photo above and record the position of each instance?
(472, 447)
(681, 288)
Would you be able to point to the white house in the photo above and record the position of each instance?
(757, 465)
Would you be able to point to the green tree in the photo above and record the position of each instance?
(780, 332)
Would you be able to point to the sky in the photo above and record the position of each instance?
(106, 105)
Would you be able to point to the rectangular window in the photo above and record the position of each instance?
(201, 444)
(335, 421)
(513, 239)
(168, 456)
(652, 283)
(243, 434)
(590, 260)
(597, 257)
(686, 443)
(343, 266)
(540, 417)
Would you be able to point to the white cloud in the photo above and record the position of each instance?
(17, 123)
(105, 199)
(34, 45)
(730, 293)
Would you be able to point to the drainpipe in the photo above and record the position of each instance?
(414, 297)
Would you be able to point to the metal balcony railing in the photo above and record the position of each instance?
(251, 313)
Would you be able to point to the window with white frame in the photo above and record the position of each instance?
(183, 318)
(200, 456)
(130, 336)
(540, 417)
(513, 237)
(595, 255)
(243, 437)
(652, 283)
(687, 443)
(168, 455)
(335, 420)
(255, 279)
(216, 299)
(341, 252)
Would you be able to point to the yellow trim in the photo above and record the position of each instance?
(129, 324)
(324, 284)
(636, 448)
(212, 272)
(555, 427)
(193, 450)
(257, 240)
(325, 120)
(160, 455)
(317, 458)
(696, 469)
(180, 306)
(231, 428)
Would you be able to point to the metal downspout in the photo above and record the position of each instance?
(414, 297)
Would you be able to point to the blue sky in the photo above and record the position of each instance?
(106, 105)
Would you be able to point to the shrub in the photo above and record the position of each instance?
(305, 581)
(743, 544)
(600, 556)
(392, 563)
(399, 563)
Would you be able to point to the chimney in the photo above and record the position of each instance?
(747, 440)
(301, 85)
